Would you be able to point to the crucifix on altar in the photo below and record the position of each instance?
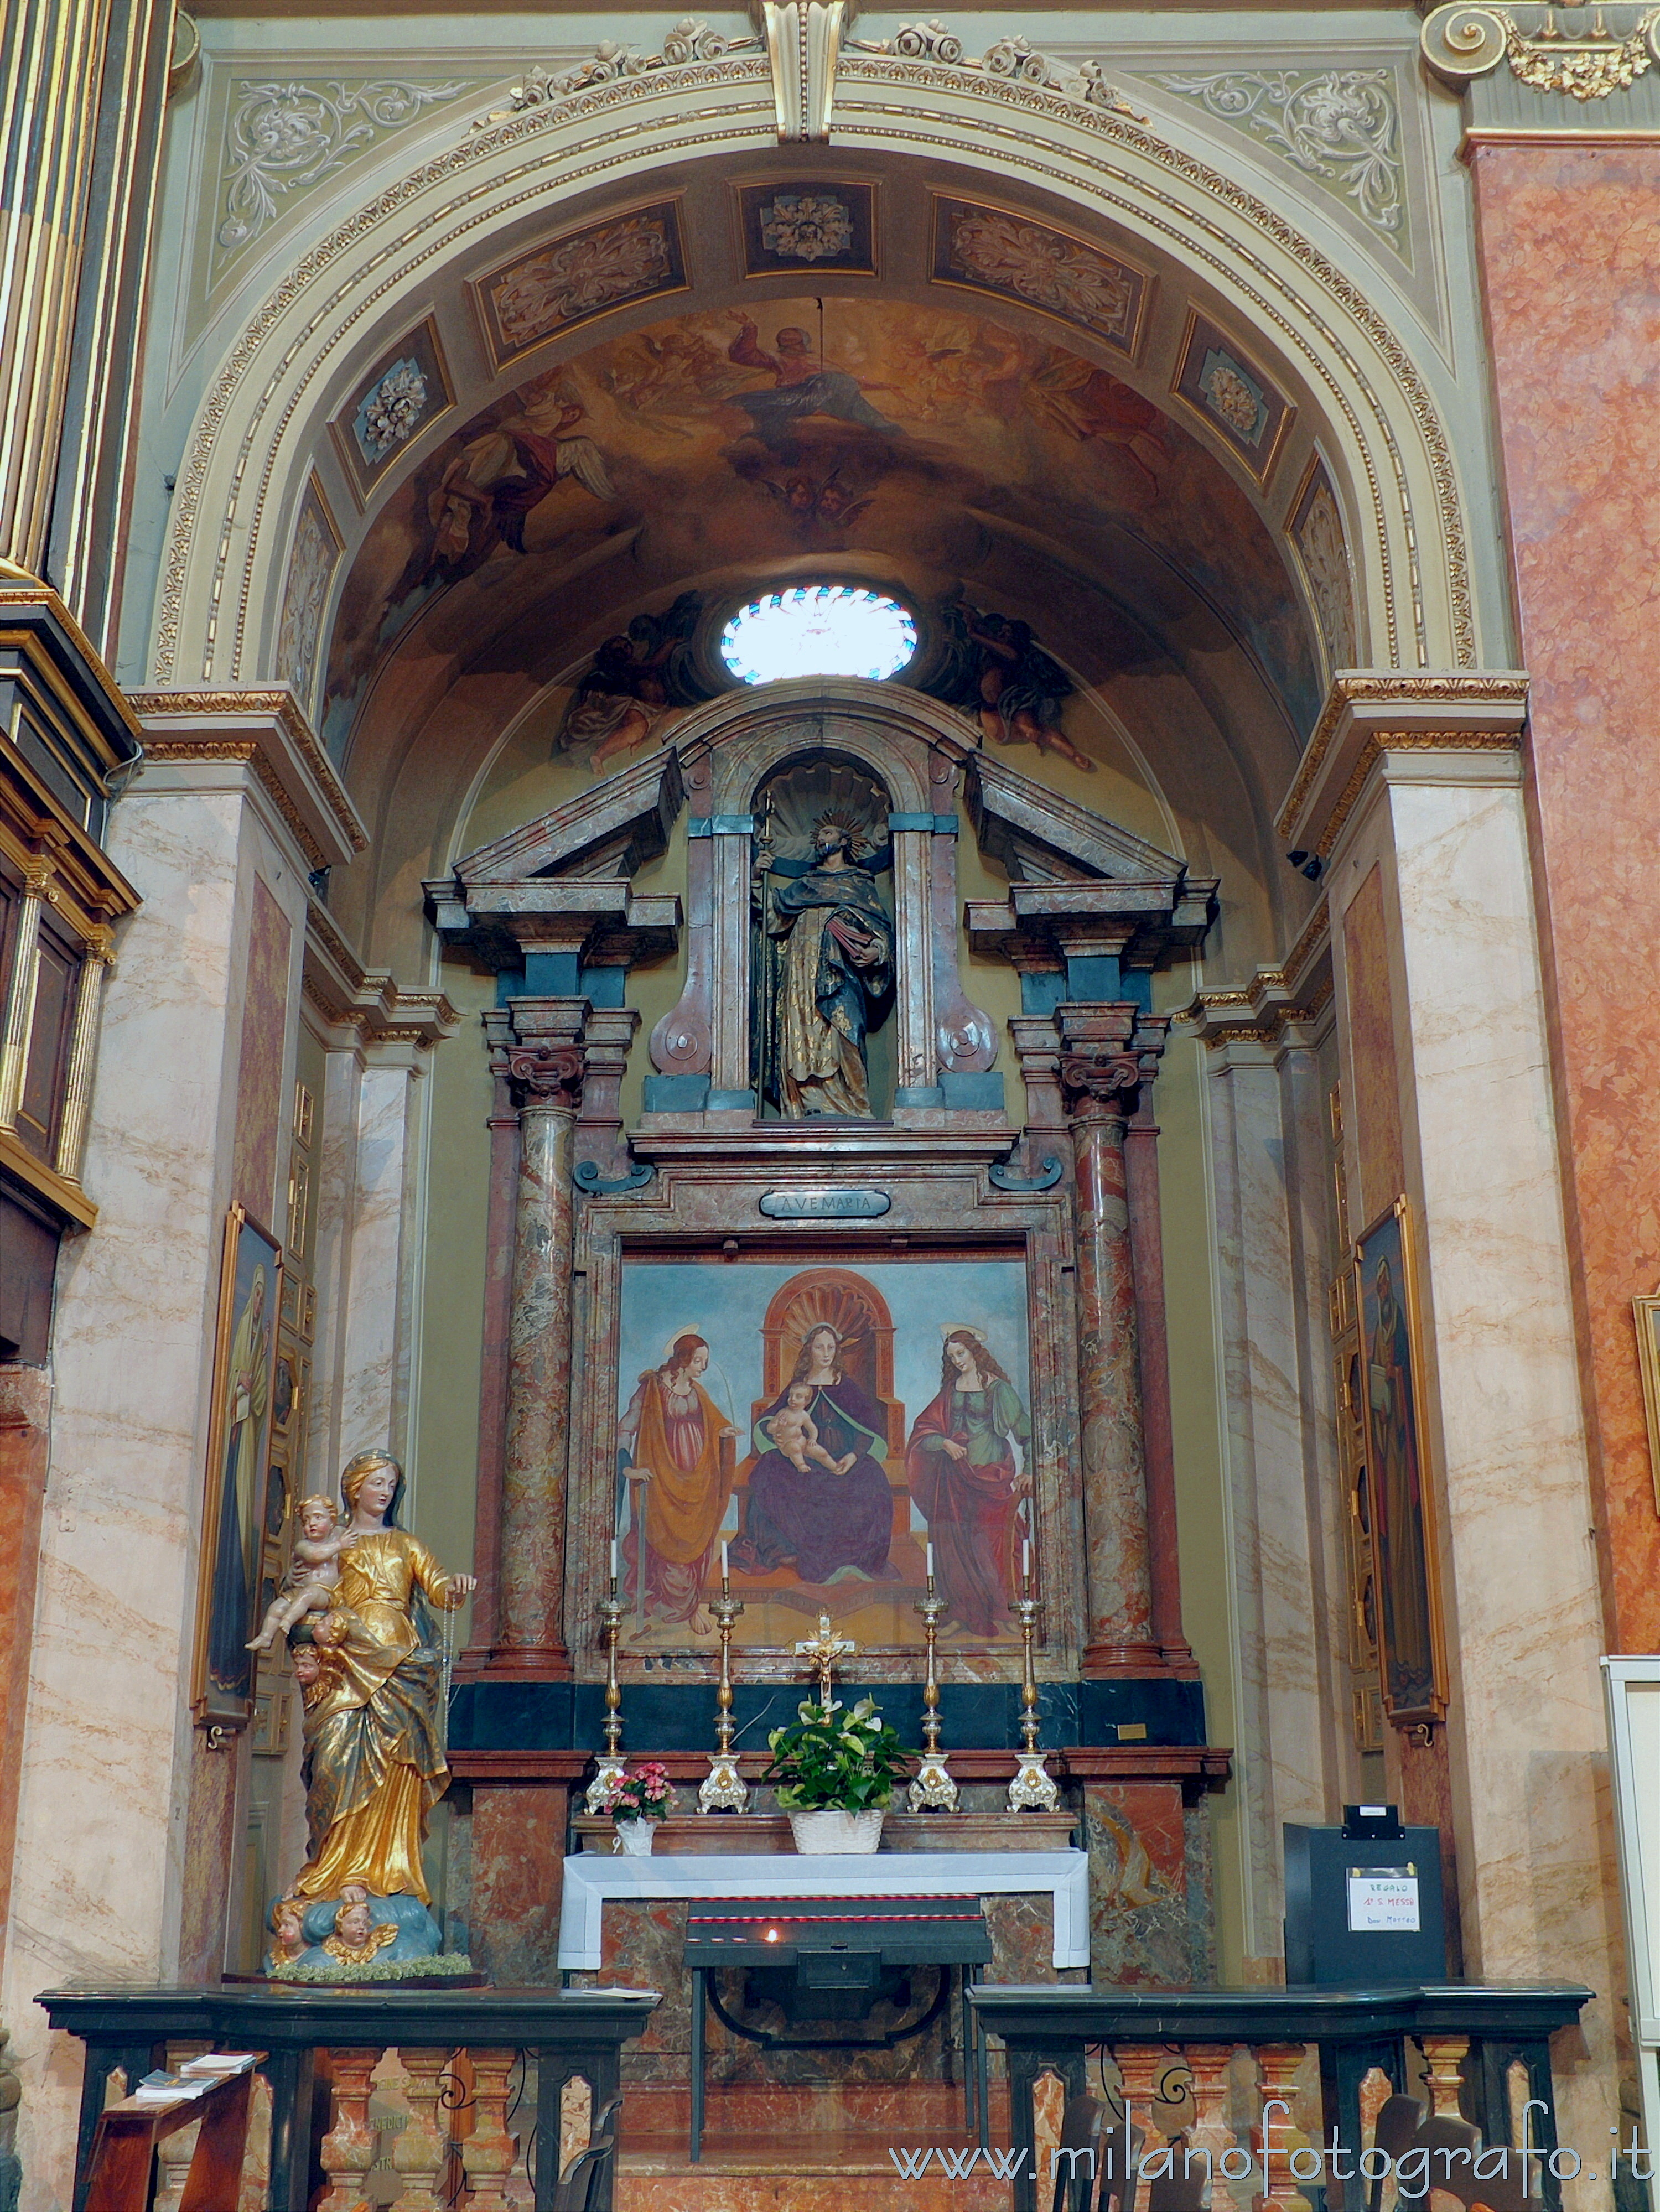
(824, 1650)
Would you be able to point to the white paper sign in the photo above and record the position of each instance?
(1384, 1901)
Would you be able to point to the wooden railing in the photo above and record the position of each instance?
(1267, 2098)
(513, 2093)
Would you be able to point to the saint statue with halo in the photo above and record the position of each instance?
(824, 973)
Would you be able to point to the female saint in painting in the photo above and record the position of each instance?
(835, 1521)
(961, 1465)
(673, 1432)
(374, 1713)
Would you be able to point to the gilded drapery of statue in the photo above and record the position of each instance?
(375, 1700)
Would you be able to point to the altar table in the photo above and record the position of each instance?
(590, 1879)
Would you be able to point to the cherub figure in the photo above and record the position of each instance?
(312, 1662)
(356, 1939)
(308, 1586)
(795, 1433)
(288, 1927)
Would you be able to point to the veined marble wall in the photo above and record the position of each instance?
(124, 1827)
(1578, 227)
(1442, 835)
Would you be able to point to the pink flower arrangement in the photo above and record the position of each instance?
(641, 1793)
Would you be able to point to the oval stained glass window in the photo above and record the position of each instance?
(818, 630)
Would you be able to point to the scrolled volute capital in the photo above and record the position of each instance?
(1098, 1085)
(547, 1075)
(1460, 42)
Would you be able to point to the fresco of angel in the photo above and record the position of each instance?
(498, 478)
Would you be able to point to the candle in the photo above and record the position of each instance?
(724, 1568)
(613, 1558)
(930, 1563)
(1025, 1559)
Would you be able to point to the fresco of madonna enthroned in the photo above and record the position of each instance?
(827, 1423)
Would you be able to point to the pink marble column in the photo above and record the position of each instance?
(500, 1248)
(1569, 238)
(1100, 1078)
(25, 1413)
(545, 1066)
(1153, 1344)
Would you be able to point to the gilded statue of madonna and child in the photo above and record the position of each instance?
(359, 1609)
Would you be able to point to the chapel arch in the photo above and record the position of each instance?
(262, 432)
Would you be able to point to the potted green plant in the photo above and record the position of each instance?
(836, 1772)
(636, 1798)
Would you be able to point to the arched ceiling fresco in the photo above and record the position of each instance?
(937, 448)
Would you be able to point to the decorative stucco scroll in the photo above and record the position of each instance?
(1340, 127)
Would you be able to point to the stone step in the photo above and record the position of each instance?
(764, 2182)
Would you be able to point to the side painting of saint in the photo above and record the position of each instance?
(233, 1515)
(677, 1451)
(1402, 1500)
(968, 1483)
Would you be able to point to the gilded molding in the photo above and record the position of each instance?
(1350, 691)
(1313, 941)
(368, 1001)
(252, 754)
(871, 71)
(1406, 741)
(282, 707)
(1266, 1010)
(1462, 42)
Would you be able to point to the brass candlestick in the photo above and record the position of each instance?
(1033, 1789)
(723, 1788)
(934, 1789)
(611, 1763)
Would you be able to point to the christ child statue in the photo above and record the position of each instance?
(308, 1586)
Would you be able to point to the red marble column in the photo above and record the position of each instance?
(24, 1408)
(1100, 1082)
(499, 1250)
(1152, 1343)
(547, 1068)
(1570, 240)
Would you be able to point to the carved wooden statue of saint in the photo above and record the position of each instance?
(824, 970)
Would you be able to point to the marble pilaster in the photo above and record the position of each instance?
(377, 1041)
(1441, 818)
(1290, 1685)
(545, 1065)
(1100, 1078)
(111, 1834)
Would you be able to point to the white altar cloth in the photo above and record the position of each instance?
(590, 1877)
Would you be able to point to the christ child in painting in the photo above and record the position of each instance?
(309, 1585)
(795, 1433)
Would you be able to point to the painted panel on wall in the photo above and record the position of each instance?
(570, 280)
(802, 1414)
(259, 1076)
(1377, 1087)
(1000, 250)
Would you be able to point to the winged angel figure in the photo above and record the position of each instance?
(488, 491)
